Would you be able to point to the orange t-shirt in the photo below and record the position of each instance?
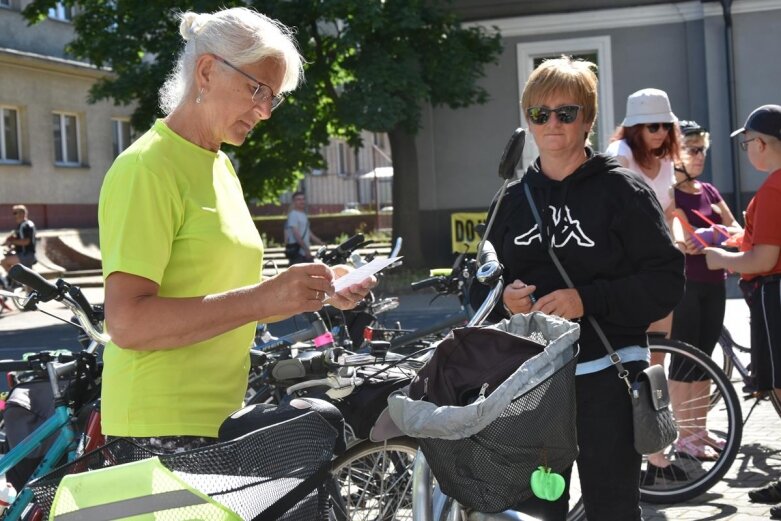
(763, 221)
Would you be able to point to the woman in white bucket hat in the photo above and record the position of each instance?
(648, 143)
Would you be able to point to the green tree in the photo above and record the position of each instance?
(372, 65)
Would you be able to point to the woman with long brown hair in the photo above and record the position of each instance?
(648, 143)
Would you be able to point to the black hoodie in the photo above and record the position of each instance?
(609, 232)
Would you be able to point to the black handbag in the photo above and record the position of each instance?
(654, 426)
(652, 419)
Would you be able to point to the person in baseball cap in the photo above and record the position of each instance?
(759, 263)
(765, 120)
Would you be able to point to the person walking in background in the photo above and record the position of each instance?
(298, 235)
(609, 232)
(21, 241)
(698, 318)
(648, 143)
(759, 262)
(182, 256)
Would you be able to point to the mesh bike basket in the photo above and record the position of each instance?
(483, 454)
(247, 475)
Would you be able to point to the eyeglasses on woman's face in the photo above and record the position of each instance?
(565, 114)
(653, 128)
(744, 144)
(695, 151)
(260, 91)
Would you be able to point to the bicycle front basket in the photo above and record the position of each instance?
(247, 475)
(483, 453)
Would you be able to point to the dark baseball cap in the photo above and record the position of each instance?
(765, 120)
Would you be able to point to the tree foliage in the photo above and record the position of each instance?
(371, 64)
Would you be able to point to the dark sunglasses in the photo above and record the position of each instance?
(653, 128)
(565, 114)
(696, 150)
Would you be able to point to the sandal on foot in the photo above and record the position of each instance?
(768, 494)
(693, 447)
(712, 439)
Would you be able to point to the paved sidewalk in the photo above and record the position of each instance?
(758, 461)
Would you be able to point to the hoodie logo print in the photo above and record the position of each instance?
(564, 229)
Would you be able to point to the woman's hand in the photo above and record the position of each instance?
(564, 303)
(517, 297)
(302, 287)
(349, 297)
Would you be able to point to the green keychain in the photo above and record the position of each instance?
(546, 484)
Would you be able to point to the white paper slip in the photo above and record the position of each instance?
(360, 274)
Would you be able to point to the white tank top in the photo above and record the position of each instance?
(662, 185)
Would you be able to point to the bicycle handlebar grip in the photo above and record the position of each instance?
(45, 289)
(487, 254)
(425, 283)
(350, 244)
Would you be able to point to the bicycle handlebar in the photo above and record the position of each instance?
(341, 253)
(70, 296)
(46, 290)
(427, 283)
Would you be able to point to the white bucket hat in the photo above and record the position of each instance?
(648, 106)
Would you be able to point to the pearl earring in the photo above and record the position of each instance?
(198, 99)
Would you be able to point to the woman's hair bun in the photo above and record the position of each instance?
(192, 23)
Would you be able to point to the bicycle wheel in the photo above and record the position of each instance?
(709, 403)
(375, 481)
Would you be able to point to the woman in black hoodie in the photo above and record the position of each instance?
(609, 232)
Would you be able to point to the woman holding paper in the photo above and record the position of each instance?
(698, 318)
(181, 254)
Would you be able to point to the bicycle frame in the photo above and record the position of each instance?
(65, 443)
(728, 344)
(62, 421)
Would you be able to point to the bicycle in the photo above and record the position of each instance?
(83, 368)
(372, 479)
(731, 352)
(243, 472)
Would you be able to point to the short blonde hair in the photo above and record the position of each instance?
(563, 75)
(19, 208)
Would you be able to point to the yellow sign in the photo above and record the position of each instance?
(463, 230)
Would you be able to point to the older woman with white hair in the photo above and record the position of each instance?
(181, 254)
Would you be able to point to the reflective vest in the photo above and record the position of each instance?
(137, 490)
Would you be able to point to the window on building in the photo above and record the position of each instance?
(5, 3)
(66, 139)
(121, 135)
(61, 12)
(342, 158)
(9, 134)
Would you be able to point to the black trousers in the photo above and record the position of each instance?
(697, 320)
(765, 309)
(608, 465)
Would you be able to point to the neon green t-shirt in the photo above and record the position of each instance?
(174, 213)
